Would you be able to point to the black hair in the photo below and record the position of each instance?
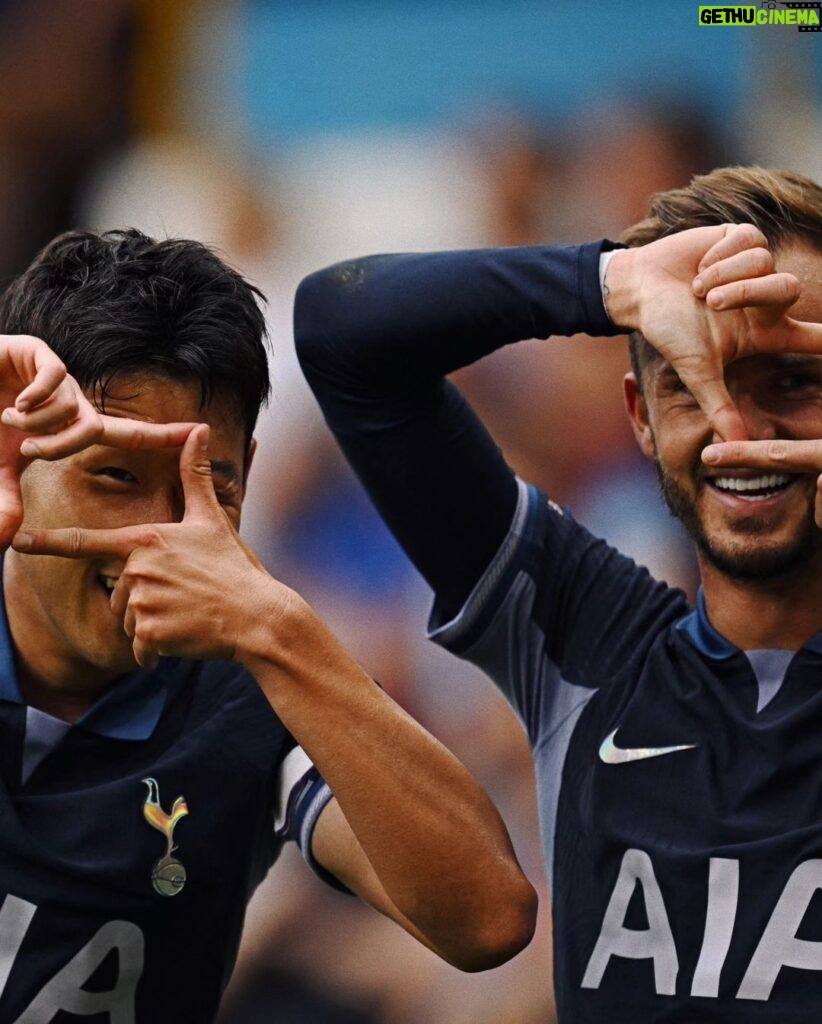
(121, 304)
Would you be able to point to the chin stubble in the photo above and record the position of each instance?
(754, 563)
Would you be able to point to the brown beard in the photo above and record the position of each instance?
(752, 563)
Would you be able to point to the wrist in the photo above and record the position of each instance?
(619, 288)
(276, 619)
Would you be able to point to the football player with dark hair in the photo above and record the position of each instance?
(677, 749)
(169, 713)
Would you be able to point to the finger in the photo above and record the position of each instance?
(11, 505)
(737, 238)
(119, 432)
(57, 412)
(195, 474)
(144, 655)
(119, 603)
(113, 431)
(50, 372)
(130, 622)
(750, 263)
(793, 336)
(74, 542)
(817, 512)
(777, 290)
(781, 456)
(715, 401)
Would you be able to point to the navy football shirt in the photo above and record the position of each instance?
(131, 841)
(679, 779)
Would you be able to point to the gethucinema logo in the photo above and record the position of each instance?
(807, 17)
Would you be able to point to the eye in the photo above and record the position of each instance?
(676, 386)
(116, 473)
(796, 381)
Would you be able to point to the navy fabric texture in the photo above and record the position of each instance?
(680, 810)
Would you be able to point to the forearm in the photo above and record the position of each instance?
(434, 840)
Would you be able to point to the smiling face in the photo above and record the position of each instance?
(747, 524)
(61, 622)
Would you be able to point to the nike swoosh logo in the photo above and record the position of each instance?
(610, 753)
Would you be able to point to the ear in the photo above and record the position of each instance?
(637, 409)
(249, 458)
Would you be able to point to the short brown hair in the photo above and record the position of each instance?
(784, 205)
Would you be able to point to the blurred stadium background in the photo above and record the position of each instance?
(290, 133)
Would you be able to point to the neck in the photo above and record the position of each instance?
(784, 612)
(67, 705)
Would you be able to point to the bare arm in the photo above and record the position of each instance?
(410, 830)
(413, 834)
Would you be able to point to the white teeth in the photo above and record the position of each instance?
(110, 582)
(773, 481)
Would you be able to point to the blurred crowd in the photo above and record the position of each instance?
(93, 134)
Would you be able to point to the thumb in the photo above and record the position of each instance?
(705, 379)
(11, 505)
(195, 474)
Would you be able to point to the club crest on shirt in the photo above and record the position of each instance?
(168, 876)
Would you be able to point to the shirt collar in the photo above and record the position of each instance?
(709, 641)
(698, 629)
(129, 710)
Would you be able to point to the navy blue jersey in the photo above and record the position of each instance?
(131, 842)
(679, 779)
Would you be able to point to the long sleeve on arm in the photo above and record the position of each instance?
(376, 337)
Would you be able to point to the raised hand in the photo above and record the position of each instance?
(187, 589)
(704, 298)
(46, 415)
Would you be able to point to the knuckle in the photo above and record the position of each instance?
(129, 574)
(74, 540)
(777, 450)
